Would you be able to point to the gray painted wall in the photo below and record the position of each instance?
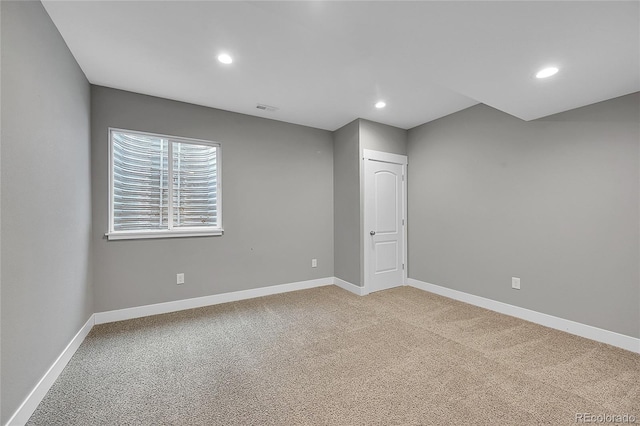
(348, 143)
(381, 137)
(346, 199)
(46, 200)
(377, 137)
(277, 182)
(553, 201)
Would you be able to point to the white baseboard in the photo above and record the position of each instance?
(198, 302)
(594, 333)
(346, 285)
(31, 402)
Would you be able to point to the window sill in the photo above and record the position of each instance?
(139, 235)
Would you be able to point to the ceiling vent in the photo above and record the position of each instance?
(267, 107)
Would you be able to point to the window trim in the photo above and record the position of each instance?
(171, 232)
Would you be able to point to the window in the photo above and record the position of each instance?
(163, 186)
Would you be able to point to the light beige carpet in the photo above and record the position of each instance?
(327, 357)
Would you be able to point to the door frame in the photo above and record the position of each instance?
(384, 157)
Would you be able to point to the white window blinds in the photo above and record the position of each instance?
(195, 185)
(140, 182)
(143, 183)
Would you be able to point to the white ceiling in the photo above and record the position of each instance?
(326, 63)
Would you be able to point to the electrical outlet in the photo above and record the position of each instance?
(180, 279)
(314, 263)
(515, 283)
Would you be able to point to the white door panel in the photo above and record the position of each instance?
(386, 212)
(384, 227)
(386, 253)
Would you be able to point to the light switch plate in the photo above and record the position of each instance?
(515, 283)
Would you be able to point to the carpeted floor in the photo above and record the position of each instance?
(327, 357)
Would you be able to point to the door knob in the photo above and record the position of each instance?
(372, 233)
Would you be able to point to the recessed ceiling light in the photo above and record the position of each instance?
(225, 59)
(546, 72)
(380, 104)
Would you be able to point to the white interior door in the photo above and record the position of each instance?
(384, 222)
